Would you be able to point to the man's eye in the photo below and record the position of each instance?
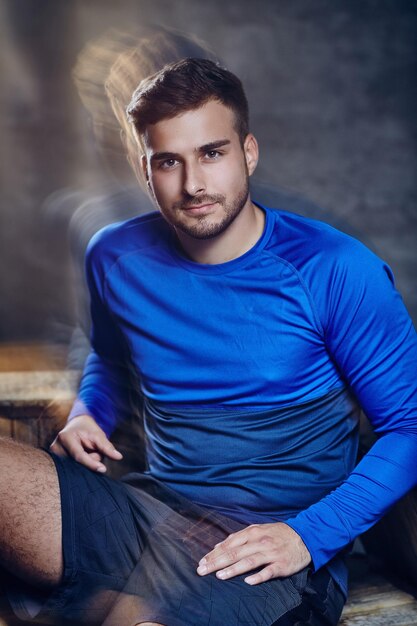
(167, 164)
(212, 154)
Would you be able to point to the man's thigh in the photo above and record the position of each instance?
(30, 514)
(105, 525)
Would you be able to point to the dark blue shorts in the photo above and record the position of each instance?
(131, 548)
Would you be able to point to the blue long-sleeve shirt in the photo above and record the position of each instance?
(253, 370)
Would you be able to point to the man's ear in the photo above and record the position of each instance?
(144, 166)
(145, 172)
(251, 152)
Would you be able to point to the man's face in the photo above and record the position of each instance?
(198, 170)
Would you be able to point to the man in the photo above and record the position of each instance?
(252, 334)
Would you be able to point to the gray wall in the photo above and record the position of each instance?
(332, 89)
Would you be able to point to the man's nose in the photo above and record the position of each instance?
(194, 182)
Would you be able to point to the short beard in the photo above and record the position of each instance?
(202, 228)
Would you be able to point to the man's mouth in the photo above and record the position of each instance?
(198, 207)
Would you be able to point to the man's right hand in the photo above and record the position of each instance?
(84, 440)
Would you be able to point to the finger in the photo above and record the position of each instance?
(236, 560)
(232, 541)
(267, 573)
(58, 448)
(244, 565)
(96, 456)
(78, 452)
(281, 564)
(103, 445)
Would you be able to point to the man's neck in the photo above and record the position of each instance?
(238, 238)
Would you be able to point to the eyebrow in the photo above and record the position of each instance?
(213, 145)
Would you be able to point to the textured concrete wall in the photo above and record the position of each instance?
(332, 89)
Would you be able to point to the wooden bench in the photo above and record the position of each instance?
(34, 405)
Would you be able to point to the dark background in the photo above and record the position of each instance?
(332, 90)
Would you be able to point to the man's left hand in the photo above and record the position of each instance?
(277, 546)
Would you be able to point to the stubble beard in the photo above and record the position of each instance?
(201, 227)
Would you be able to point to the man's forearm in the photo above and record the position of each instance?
(382, 477)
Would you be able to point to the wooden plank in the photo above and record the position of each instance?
(370, 599)
(26, 431)
(5, 426)
(394, 616)
(373, 601)
(37, 388)
(36, 404)
(32, 356)
(52, 421)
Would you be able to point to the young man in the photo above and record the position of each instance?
(253, 335)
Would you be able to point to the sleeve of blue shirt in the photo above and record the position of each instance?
(370, 336)
(105, 385)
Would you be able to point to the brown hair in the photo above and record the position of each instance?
(183, 86)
